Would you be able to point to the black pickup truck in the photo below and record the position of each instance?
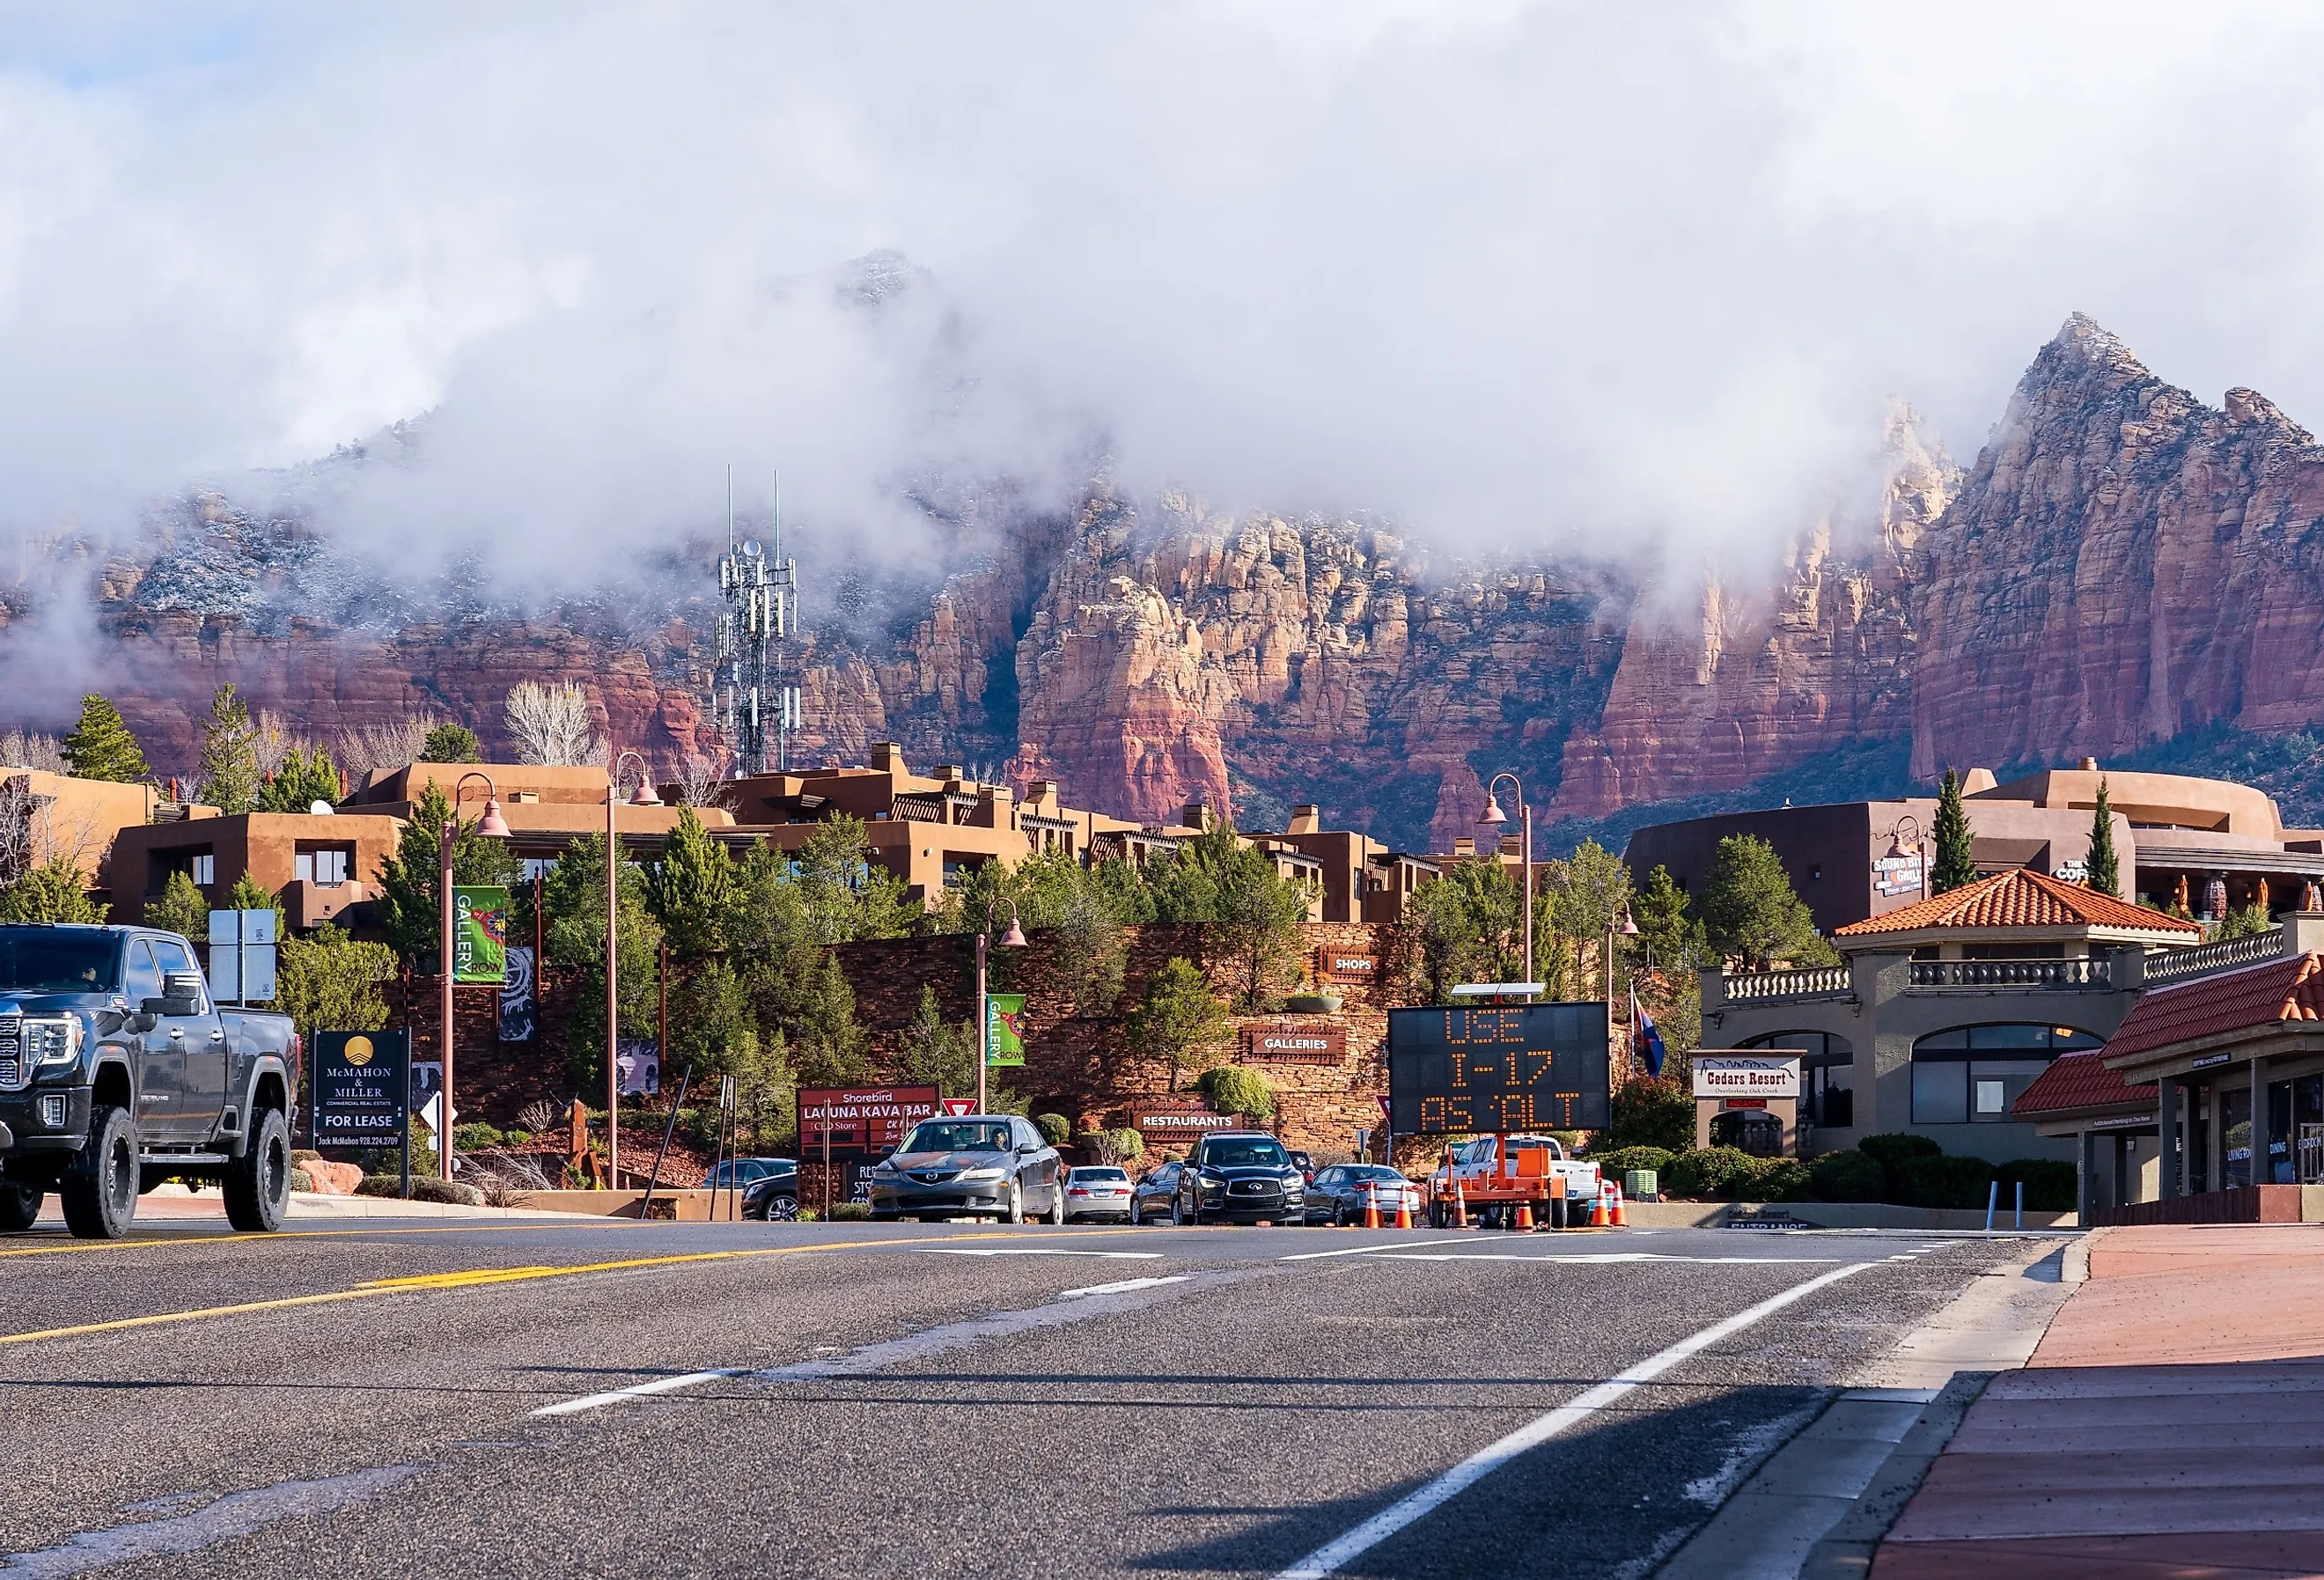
(116, 1073)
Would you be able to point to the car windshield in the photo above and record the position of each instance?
(958, 1135)
(52, 960)
(1113, 1174)
(1228, 1154)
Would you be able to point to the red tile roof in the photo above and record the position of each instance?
(2020, 898)
(2233, 1001)
(2075, 1082)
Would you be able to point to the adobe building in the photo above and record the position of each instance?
(1362, 880)
(1944, 1012)
(319, 865)
(55, 814)
(2205, 845)
(546, 809)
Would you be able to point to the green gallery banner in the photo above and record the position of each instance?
(1004, 1029)
(479, 933)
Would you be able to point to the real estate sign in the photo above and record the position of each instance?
(362, 1079)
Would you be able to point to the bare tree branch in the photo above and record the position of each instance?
(552, 726)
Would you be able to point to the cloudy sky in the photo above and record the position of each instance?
(1527, 275)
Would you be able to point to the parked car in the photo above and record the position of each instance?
(1338, 1193)
(1153, 1197)
(1305, 1161)
(1244, 1175)
(774, 1195)
(971, 1164)
(746, 1172)
(1097, 1193)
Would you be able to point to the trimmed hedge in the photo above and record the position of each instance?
(1235, 1090)
(2049, 1184)
(1943, 1181)
(1846, 1177)
(1613, 1165)
(1055, 1128)
(1732, 1174)
(1889, 1151)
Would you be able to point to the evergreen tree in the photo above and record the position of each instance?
(695, 888)
(410, 900)
(247, 895)
(845, 897)
(573, 901)
(1750, 913)
(935, 1052)
(1259, 913)
(181, 909)
(229, 765)
(1178, 1019)
(2106, 867)
(451, 744)
(1672, 936)
(826, 1045)
(304, 779)
(1470, 926)
(101, 746)
(54, 892)
(1955, 864)
(331, 981)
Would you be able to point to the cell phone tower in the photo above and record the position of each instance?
(754, 697)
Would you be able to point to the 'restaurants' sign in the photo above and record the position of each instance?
(1759, 1076)
(1296, 1043)
(873, 1117)
(1346, 966)
(1185, 1122)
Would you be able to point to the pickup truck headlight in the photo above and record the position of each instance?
(52, 1041)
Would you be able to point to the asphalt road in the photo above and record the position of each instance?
(914, 1403)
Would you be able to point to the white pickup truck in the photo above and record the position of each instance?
(1497, 1172)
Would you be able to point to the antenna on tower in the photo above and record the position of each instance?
(753, 687)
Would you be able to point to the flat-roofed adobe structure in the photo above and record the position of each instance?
(1943, 1012)
(51, 816)
(2202, 845)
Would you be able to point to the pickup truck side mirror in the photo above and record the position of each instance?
(182, 995)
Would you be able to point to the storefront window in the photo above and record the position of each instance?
(1825, 1094)
(1973, 1075)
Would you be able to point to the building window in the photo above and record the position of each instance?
(199, 865)
(328, 865)
(1973, 1075)
(1827, 1096)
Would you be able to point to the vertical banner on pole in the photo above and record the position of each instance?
(517, 1006)
(479, 933)
(1004, 1029)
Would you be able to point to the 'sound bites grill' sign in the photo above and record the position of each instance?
(1181, 1122)
(1345, 966)
(873, 1117)
(1296, 1043)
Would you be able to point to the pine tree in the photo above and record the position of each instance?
(1750, 910)
(1956, 864)
(229, 765)
(1178, 1019)
(101, 746)
(304, 779)
(695, 888)
(181, 909)
(451, 744)
(55, 892)
(408, 896)
(2106, 867)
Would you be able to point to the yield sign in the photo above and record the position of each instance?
(957, 1105)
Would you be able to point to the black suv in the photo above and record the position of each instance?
(1241, 1174)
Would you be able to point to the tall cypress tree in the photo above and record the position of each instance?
(2106, 867)
(229, 755)
(1955, 864)
(101, 746)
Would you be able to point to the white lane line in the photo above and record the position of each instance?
(1123, 1287)
(1035, 1251)
(1326, 1559)
(1360, 1250)
(573, 1406)
(236, 1514)
(1605, 1256)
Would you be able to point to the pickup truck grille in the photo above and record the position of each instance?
(13, 1069)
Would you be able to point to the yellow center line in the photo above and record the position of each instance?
(464, 1279)
(589, 1222)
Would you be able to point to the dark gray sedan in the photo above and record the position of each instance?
(972, 1165)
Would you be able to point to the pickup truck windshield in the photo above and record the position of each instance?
(48, 960)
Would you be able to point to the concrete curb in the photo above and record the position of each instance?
(1845, 1550)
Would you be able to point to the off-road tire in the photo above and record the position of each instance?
(20, 1205)
(98, 1191)
(257, 1184)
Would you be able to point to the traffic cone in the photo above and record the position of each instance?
(1403, 1210)
(1371, 1207)
(1460, 1206)
(1524, 1215)
(1599, 1217)
(1622, 1220)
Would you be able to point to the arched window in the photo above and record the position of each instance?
(1826, 1096)
(1971, 1075)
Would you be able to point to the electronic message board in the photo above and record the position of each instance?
(1476, 1069)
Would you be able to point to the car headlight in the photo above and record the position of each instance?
(983, 1173)
(883, 1167)
(52, 1041)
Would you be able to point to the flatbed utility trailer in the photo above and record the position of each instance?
(1497, 1174)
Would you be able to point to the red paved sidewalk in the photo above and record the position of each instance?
(2170, 1425)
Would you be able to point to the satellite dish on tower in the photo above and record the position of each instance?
(751, 547)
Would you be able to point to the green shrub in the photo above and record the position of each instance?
(1055, 1128)
(302, 1180)
(1889, 1151)
(1234, 1089)
(424, 1187)
(1651, 1113)
(1846, 1177)
(1712, 1173)
(1783, 1179)
(1613, 1165)
(2049, 1184)
(476, 1136)
(1118, 1147)
(516, 1138)
(849, 1212)
(1942, 1182)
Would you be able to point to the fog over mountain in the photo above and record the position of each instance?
(1536, 277)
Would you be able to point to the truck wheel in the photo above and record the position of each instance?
(258, 1183)
(19, 1206)
(99, 1189)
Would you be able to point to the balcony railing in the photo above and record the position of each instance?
(1815, 982)
(2078, 973)
(2179, 964)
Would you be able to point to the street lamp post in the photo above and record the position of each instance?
(644, 798)
(492, 827)
(1014, 939)
(1628, 930)
(1495, 817)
